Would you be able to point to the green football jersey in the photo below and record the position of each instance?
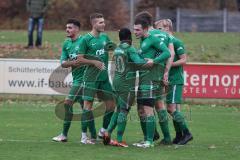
(126, 61)
(163, 36)
(93, 48)
(153, 48)
(70, 50)
(176, 73)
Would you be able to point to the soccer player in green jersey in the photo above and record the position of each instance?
(70, 51)
(126, 60)
(175, 88)
(159, 104)
(157, 53)
(96, 79)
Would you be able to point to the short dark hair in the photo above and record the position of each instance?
(125, 35)
(145, 15)
(95, 15)
(74, 22)
(141, 21)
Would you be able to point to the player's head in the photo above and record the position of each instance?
(165, 25)
(72, 27)
(146, 16)
(140, 28)
(125, 35)
(97, 22)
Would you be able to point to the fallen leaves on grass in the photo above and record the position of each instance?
(212, 146)
(21, 51)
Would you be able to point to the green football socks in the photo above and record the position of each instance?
(163, 121)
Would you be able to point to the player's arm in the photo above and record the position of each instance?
(182, 56)
(172, 52)
(81, 60)
(136, 58)
(169, 62)
(67, 64)
(64, 60)
(165, 52)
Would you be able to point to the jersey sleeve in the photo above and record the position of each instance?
(64, 55)
(170, 39)
(134, 56)
(165, 53)
(180, 49)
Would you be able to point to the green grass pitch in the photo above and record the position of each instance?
(26, 129)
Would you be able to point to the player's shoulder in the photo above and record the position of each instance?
(159, 34)
(132, 49)
(177, 40)
(124, 45)
(155, 32)
(79, 39)
(67, 42)
(171, 37)
(104, 36)
(87, 36)
(153, 38)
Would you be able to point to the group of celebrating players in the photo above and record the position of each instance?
(158, 62)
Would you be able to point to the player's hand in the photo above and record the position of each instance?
(165, 79)
(76, 63)
(100, 65)
(149, 63)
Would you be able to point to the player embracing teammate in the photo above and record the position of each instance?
(159, 62)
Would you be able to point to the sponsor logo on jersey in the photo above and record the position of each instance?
(100, 52)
